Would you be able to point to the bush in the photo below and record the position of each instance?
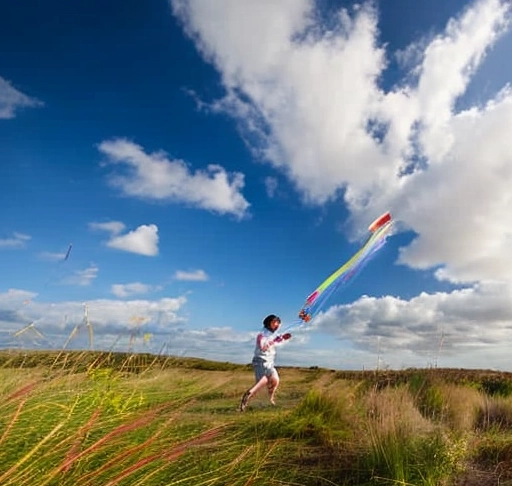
(497, 386)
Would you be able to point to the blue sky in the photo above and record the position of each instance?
(212, 163)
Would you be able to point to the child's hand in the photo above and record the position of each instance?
(282, 338)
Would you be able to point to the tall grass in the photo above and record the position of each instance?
(405, 447)
(83, 419)
(98, 427)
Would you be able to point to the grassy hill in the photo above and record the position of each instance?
(91, 418)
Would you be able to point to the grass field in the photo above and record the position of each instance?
(84, 419)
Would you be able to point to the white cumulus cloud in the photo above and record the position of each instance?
(449, 325)
(157, 177)
(143, 240)
(311, 97)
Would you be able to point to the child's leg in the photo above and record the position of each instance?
(273, 383)
(265, 376)
(252, 391)
(258, 386)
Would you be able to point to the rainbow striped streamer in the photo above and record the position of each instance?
(379, 229)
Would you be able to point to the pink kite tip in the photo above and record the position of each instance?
(312, 297)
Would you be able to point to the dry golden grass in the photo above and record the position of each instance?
(461, 406)
(393, 409)
(113, 420)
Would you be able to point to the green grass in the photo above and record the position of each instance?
(83, 419)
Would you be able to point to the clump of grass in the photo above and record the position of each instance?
(402, 457)
(428, 395)
(493, 453)
(323, 418)
(392, 408)
(404, 446)
(461, 406)
(495, 414)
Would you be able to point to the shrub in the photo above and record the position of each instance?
(497, 386)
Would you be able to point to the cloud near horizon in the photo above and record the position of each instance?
(466, 321)
(442, 329)
(118, 325)
(107, 315)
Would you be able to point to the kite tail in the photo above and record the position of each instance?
(380, 230)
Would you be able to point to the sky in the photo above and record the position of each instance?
(172, 171)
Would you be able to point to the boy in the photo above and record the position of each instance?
(263, 360)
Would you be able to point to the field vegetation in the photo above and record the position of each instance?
(92, 418)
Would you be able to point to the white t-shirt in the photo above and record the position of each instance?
(265, 348)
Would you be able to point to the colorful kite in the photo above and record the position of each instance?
(379, 230)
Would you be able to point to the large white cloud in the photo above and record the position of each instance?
(467, 321)
(309, 101)
(460, 207)
(312, 96)
(305, 93)
(157, 177)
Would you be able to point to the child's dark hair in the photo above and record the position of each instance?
(269, 319)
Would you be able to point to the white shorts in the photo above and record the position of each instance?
(263, 368)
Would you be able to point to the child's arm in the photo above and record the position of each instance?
(265, 343)
(283, 337)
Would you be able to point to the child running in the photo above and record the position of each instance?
(263, 360)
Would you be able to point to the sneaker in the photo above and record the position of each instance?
(245, 400)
